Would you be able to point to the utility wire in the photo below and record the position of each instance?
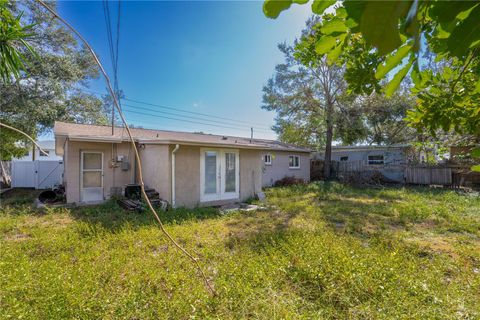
(176, 119)
(236, 122)
(118, 41)
(133, 108)
(113, 51)
(192, 112)
(194, 260)
(245, 123)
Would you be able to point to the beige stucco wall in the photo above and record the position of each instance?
(280, 167)
(187, 173)
(111, 176)
(250, 173)
(156, 168)
(187, 176)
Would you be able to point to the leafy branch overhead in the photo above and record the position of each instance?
(13, 35)
(396, 30)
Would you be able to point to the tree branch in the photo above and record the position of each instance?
(26, 135)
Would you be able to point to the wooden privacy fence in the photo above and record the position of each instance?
(428, 175)
(401, 173)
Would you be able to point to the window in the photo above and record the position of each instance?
(344, 158)
(294, 162)
(375, 160)
(267, 159)
(45, 153)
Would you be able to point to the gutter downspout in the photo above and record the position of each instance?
(173, 174)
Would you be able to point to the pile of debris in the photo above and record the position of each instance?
(133, 199)
(54, 196)
(366, 178)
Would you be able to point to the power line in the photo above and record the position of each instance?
(118, 40)
(113, 51)
(195, 118)
(176, 119)
(250, 124)
(192, 112)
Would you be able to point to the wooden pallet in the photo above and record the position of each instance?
(131, 205)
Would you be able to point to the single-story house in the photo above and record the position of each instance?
(186, 169)
(389, 160)
(278, 164)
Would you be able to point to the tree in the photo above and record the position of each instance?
(393, 30)
(385, 118)
(51, 86)
(305, 96)
(401, 32)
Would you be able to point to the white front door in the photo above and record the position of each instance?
(219, 174)
(91, 176)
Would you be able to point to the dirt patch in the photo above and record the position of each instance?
(17, 237)
(436, 244)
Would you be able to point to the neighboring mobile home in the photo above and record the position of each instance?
(186, 169)
(389, 160)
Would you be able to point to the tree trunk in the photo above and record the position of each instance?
(328, 146)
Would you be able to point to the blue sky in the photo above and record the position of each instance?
(205, 57)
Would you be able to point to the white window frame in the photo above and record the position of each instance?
(221, 173)
(376, 162)
(269, 162)
(294, 167)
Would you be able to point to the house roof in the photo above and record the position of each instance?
(86, 132)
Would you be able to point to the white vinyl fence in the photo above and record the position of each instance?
(37, 174)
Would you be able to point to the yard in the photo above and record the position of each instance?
(317, 251)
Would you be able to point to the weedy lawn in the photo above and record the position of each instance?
(318, 251)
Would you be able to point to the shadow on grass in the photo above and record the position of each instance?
(251, 227)
(367, 211)
(114, 218)
(19, 197)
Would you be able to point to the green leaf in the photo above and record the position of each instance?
(397, 79)
(465, 34)
(476, 153)
(272, 8)
(300, 1)
(333, 55)
(446, 11)
(379, 24)
(319, 6)
(341, 12)
(334, 26)
(475, 168)
(477, 87)
(324, 44)
(392, 61)
(416, 75)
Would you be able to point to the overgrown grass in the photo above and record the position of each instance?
(318, 251)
